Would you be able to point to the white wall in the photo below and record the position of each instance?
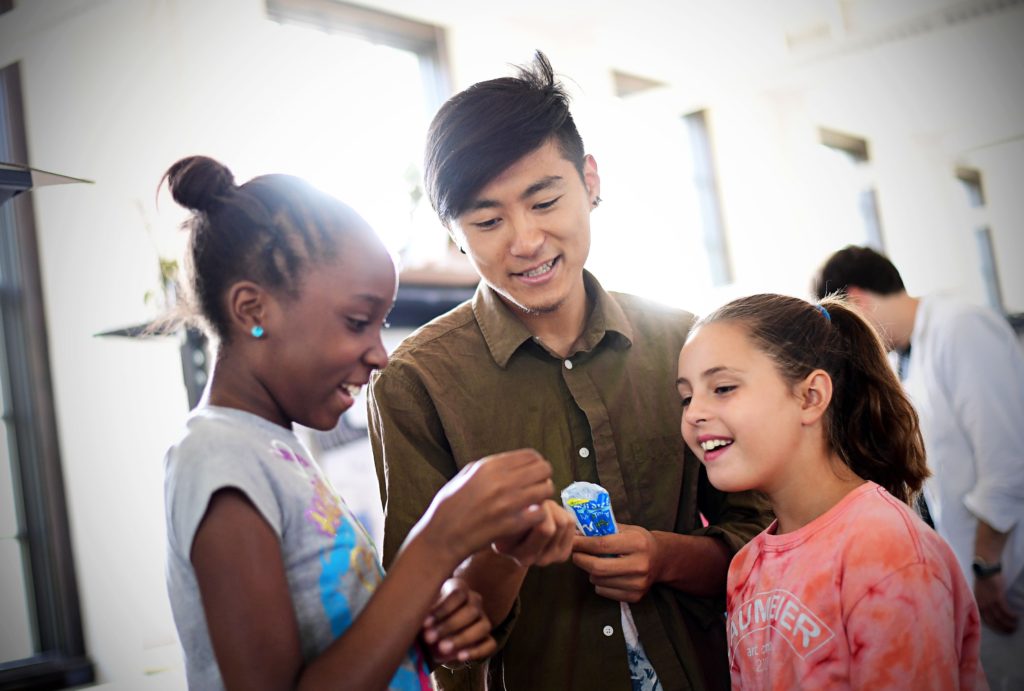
(116, 90)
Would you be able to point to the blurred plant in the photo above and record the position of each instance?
(413, 179)
(165, 297)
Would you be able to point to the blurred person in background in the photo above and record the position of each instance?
(963, 368)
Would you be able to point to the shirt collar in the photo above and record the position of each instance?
(504, 333)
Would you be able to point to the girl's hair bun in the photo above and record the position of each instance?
(199, 183)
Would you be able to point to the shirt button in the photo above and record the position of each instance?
(568, 364)
(607, 631)
(584, 452)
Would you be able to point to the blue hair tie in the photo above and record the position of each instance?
(825, 312)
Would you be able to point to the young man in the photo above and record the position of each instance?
(543, 358)
(964, 370)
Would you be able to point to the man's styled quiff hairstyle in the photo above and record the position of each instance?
(480, 132)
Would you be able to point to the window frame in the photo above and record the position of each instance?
(705, 180)
(859, 152)
(974, 193)
(427, 41)
(60, 659)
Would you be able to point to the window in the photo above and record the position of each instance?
(648, 150)
(970, 182)
(706, 185)
(41, 643)
(353, 92)
(848, 191)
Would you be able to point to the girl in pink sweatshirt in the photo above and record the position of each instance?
(848, 588)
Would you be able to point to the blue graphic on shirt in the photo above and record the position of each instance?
(335, 562)
(347, 559)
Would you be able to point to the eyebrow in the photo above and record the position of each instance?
(707, 373)
(372, 299)
(542, 184)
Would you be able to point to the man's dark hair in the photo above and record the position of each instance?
(860, 267)
(480, 132)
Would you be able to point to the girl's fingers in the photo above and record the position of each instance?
(623, 583)
(456, 621)
(478, 652)
(469, 639)
(518, 524)
(534, 542)
(525, 466)
(561, 550)
(450, 602)
(618, 595)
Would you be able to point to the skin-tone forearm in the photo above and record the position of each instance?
(990, 593)
(989, 543)
(237, 560)
(498, 573)
(497, 578)
(250, 614)
(695, 564)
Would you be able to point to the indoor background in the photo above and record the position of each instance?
(739, 143)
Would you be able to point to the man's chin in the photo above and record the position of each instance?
(534, 309)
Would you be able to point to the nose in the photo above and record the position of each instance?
(694, 414)
(377, 355)
(527, 237)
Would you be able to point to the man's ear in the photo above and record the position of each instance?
(248, 305)
(862, 299)
(815, 394)
(591, 179)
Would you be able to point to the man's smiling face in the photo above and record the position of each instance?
(527, 232)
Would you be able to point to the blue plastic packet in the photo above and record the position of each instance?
(591, 506)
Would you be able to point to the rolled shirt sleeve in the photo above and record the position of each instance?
(985, 369)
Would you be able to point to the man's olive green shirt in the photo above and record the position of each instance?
(474, 382)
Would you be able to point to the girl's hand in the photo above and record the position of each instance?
(496, 497)
(548, 542)
(457, 631)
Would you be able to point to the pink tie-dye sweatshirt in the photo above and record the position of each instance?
(866, 596)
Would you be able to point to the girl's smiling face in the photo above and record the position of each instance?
(740, 417)
(322, 347)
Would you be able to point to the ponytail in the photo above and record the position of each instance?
(873, 426)
(870, 423)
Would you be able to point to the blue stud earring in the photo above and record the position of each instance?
(257, 331)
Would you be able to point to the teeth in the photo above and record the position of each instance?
(352, 389)
(712, 444)
(542, 269)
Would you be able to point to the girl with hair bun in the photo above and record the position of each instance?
(273, 583)
(848, 588)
